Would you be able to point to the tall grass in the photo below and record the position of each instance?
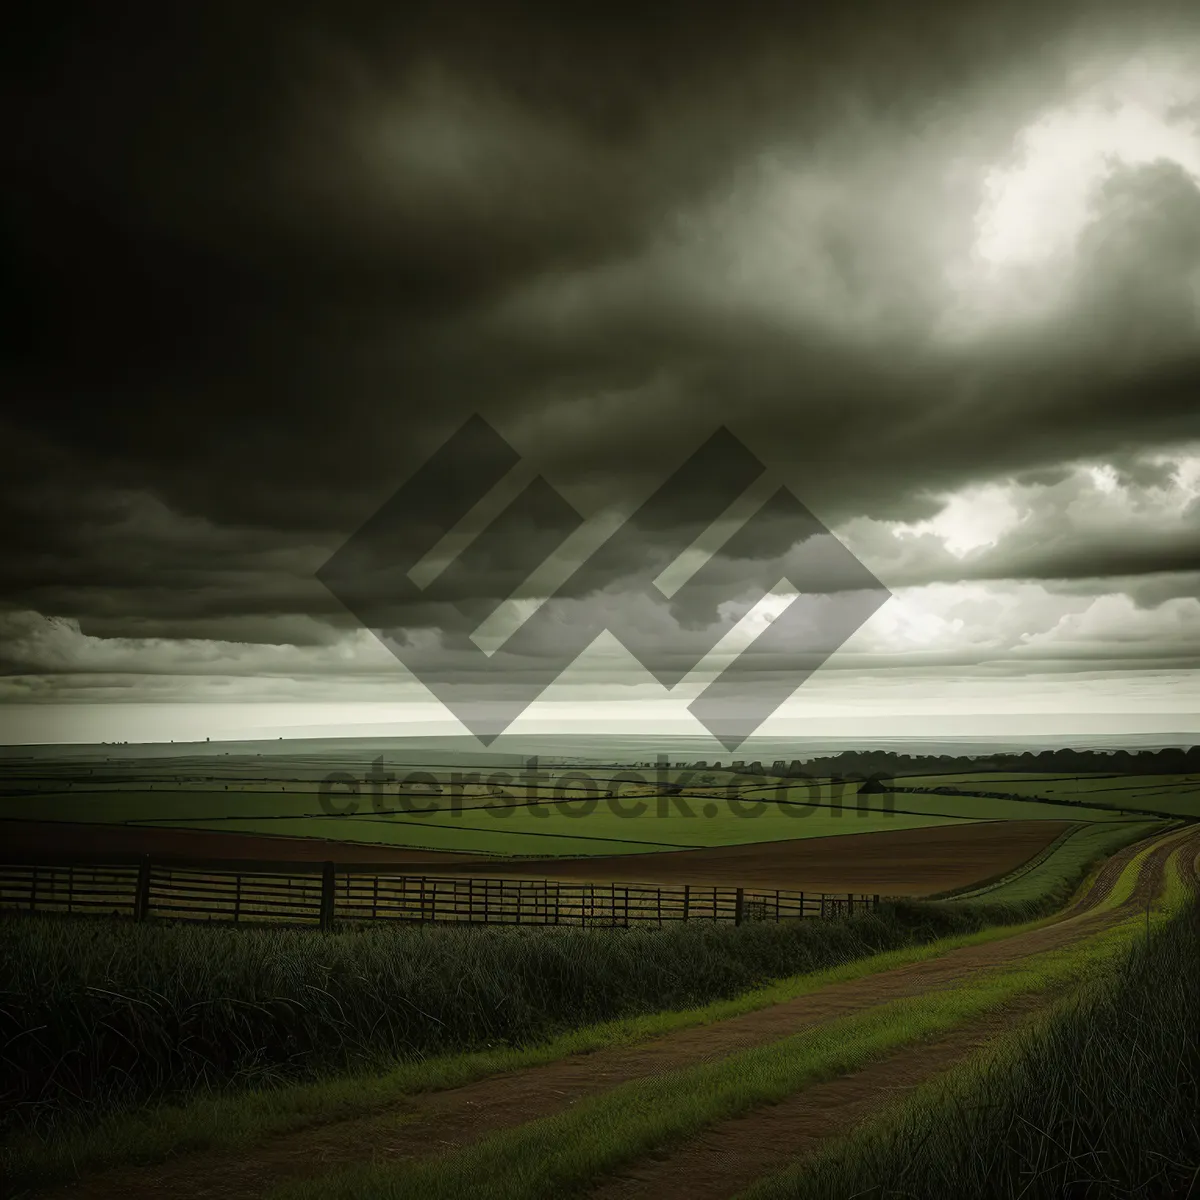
(96, 1016)
(1100, 1100)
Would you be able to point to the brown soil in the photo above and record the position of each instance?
(29, 838)
(428, 1124)
(908, 862)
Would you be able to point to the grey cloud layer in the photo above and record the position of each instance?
(268, 259)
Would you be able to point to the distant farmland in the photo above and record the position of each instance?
(908, 836)
(1175, 794)
(635, 823)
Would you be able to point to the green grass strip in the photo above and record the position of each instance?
(557, 1156)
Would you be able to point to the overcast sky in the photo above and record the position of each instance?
(936, 266)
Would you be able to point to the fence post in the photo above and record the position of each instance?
(33, 882)
(328, 880)
(738, 905)
(141, 897)
(802, 906)
(687, 899)
(875, 903)
(142, 889)
(237, 897)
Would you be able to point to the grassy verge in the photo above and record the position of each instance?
(1098, 1099)
(559, 1155)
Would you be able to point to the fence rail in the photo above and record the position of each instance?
(321, 894)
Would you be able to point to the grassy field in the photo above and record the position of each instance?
(541, 829)
(963, 807)
(558, 810)
(630, 823)
(1175, 794)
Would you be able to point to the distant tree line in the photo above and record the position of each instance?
(1174, 761)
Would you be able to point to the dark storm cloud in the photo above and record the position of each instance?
(268, 256)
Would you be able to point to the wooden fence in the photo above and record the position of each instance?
(324, 893)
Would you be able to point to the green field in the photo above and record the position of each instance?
(469, 815)
(974, 808)
(491, 808)
(1175, 794)
(564, 828)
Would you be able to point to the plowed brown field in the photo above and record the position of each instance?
(76, 837)
(909, 862)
